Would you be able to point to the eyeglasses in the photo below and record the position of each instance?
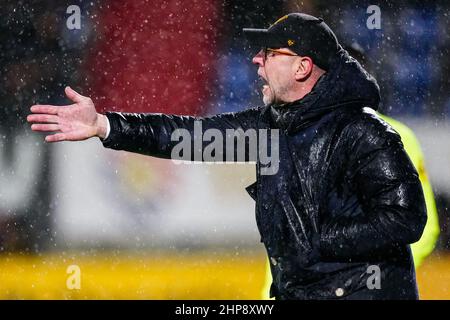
(269, 52)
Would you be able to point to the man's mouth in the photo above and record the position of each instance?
(264, 83)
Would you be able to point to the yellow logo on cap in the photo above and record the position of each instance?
(291, 42)
(281, 19)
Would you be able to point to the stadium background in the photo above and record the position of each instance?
(145, 228)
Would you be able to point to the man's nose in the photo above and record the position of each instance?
(259, 58)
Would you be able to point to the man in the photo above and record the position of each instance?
(345, 201)
(422, 248)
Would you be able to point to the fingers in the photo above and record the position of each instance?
(57, 137)
(67, 136)
(44, 108)
(49, 118)
(45, 127)
(73, 95)
(43, 118)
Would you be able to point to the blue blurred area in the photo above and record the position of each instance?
(237, 78)
(412, 82)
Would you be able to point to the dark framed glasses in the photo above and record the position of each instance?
(271, 52)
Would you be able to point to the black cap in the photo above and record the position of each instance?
(304, 34)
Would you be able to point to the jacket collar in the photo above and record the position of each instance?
(346, 84)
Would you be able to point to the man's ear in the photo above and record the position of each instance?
(303, 68)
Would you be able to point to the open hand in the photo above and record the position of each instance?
(75, 122)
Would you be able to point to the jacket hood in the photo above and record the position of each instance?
(345, 84)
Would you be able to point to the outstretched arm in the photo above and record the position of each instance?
(146, 133)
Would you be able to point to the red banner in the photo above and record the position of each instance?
(154, 56)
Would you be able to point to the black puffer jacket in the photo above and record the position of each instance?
(346, 200)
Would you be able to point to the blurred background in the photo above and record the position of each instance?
(144, 228)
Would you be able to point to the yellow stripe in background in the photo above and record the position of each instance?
(148, 275)
(202, 275)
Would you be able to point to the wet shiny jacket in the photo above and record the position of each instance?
(339, 215)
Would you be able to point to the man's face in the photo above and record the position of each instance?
(276, 69)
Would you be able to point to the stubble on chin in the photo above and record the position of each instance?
(267, 100)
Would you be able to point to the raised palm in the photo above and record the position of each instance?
(75, 122)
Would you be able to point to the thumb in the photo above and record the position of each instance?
(73, 95)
